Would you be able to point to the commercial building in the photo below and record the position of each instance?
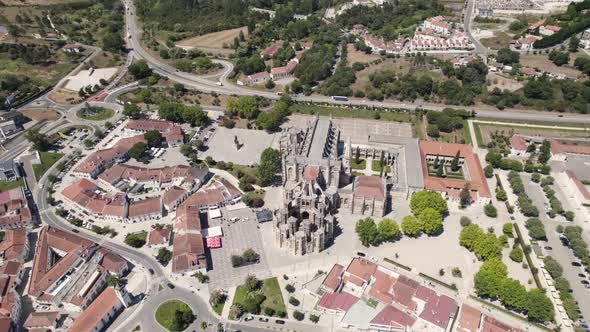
(171, 132)
(9, 170)
(103, 310)
(470, 173)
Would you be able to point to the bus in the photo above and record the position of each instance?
(339, 98)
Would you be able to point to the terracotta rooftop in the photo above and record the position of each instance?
(337, 301)
(187, 219)
(13, 245)
(117, 151)
(45, 272)
(536, 24)
(518, 143)
(382, 286)
(311, 173)
(146, 206)
(558, 147)
(7, 295)
(271, 49)
(361, 268)
(112, 262)
(469, 319)
(188, 252)
(393, 317)
(91, 316)
(453, 187)
(372, 187)
(492, 325)
(332, 280)
(10, 268)
(83, 192)
(159, 236)
(39, 319)
(439, 309)
(14, 207)
(169, 130)
(172, 194)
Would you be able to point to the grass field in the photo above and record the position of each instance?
(339, 112)
(500, 40)
(362, 164)
(215, 39)
(542, 62)
(47, 160)
(359, 56)
(487, 129)
(97, 114)
(167, 311)
(5, 185)
(270, 289)
(40, 114)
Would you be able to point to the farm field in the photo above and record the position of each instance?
(500, 40)
(542, 62)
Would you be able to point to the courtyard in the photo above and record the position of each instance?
(222, 146)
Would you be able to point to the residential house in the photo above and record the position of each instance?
(254, 78)
(9, 170)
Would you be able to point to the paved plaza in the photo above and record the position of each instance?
(357, 129)
(222, 147)
(237, 237)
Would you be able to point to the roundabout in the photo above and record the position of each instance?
(174, 315)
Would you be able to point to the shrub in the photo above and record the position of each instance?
(465, 221)
(507, 229)
(298, 315)
(516, 255)
(294, 301)
(269, 311)
(289, 288)
(490, 210)
(314, 318)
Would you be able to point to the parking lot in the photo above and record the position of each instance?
(237, 236)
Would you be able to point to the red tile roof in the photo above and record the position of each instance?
(159, 236)
(271, 49)
(44, 274)
(117, 151)
(172, 195)
(151, 205)
(11, 268)
(439, 309)
(393, 317)
(337, 301)
(558, 147)
(518, 143)
(188, 252)
(7, 295)
(14, 208)
(98, 309)
(372, 187)
(311, 173)
(382, 286)
(169, 130)
(492, 325)
(112, 262)
(361, 268)
(42, 319)
(13, 245)
(454, 186)
(332, 280)
(469, 319)
(536, 24)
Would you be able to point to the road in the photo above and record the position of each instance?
(206, 85)
(468, 16)
(560, 252)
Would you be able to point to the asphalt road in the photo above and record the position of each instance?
(560, 252)
(467, 21)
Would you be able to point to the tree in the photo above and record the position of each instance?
(236, 310)
(490, 210)
(388, 230)
(164, 256)
(252, 283)
(139, 69)
(559, 58)
(427, 199)
(298, 315)
(410, 226)
(314, 318)
(154, 138)
(539, 307)
(139, 151)
(270, 164)
(516, 254)
(367, 231)
(217, 297)
(455, 162)
(132, 110)
(112, 280)
(501, 194)
(40, 141)
(357, 155)
(185, 65)
(465, 221)
(574, 44)
(507, 56)
(465, 195)
(553, 267)
(488, 171)
(294, 301)
(513, 294)
(507, 229)
(430, 221)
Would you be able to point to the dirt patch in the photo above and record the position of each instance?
(500, 40)
(40, 114)
(105, 60)
(358, 56)
(542, 63)
(64, 96)
(215, 39)
(503, 83)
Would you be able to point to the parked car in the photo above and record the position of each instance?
(548, 248)
(361, 254)
(263, 319)
(248, 318)
(278, 321)
(585, 282)
(151, 271)
(576, 264)
(581, 275)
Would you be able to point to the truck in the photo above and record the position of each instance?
(339, 98)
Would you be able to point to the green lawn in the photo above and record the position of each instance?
(98, 114)
(5, 185)
(166, 313)
(376, 166)
(466, 133)
(362, 164)
(342, 112)
(270, 289)
(47, 160)
(218, 308)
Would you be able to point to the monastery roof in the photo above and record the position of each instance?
(369, 187)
